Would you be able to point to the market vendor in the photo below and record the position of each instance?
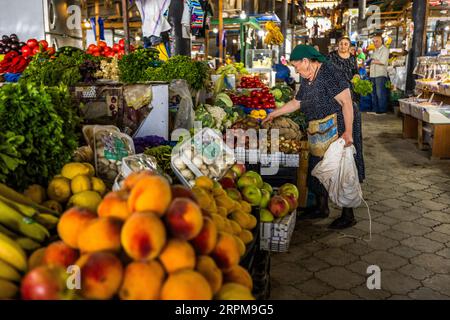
(325, 99)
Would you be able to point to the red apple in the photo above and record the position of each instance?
(227, 183)
(46, 283)
(239, 169)
(230, 174)
(278, 206)
(290, 198)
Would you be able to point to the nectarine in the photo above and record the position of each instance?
(143, 236)
(71, 223)
(177, 255)
(186, 285)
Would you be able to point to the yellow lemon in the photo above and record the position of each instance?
(80, 183)
(85, 199)
(98, 185)
(73, 169)
(59, 189)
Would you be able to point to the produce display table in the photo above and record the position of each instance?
(429, 125)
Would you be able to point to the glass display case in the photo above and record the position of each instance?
(260, 59)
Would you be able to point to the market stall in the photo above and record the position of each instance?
(426, 117)
(79, 190)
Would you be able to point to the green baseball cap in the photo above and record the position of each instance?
(303, 51)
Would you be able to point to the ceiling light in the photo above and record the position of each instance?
(87, 24)
(447, 28)
(261, 33)
(243, 15)
(215, 30)
(234, 41)
(138, 38)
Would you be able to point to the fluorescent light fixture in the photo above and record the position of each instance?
(243, 15)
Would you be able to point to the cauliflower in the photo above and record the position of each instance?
(218, 114)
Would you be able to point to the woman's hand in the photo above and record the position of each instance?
(348, 138)
(269, 117)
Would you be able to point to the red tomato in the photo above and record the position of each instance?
(91, 46)
(26, 50)
(122, 43)
(44, 44)
(131, 48)
(32, 43)
(95, 49)
(51, 51)
(110, 54)
(116, 47)
(96, 54)
(102, 44)
(36, 50)
(107, 49)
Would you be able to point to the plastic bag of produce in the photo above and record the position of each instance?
(88, 132)
(110, 148)
(338, 173)
(185, 116)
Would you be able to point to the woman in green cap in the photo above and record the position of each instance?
(325, 99)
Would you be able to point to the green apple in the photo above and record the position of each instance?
(252, 195)
(259, 180)
(267, 187)
(288, 188)
(265, 199)
(234, 194)
(265, 215)
(246, 181)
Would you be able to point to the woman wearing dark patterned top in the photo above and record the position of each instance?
(324, 93)
(346, 62)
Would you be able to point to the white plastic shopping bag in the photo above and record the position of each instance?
(338, 173)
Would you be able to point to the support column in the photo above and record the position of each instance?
(248, 6)
(419, 10)
(182, 46)
(126, 30)
(293, 11)
(220, 30)
(97, 25)
(361, 15)
(284, 24)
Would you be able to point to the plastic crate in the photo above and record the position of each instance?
(276, 235)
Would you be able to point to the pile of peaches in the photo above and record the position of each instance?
(149, 240)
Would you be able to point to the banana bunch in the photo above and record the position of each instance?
(274, 35)
(24, 226)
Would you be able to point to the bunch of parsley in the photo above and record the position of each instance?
(41, 126)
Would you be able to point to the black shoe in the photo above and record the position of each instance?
(319, 211)
(346, 220)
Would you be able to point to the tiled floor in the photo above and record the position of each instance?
(409, 199)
